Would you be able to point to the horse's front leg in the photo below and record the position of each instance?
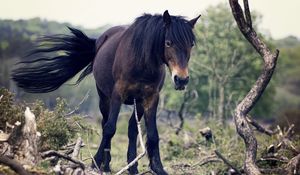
(150, 108)
(109, 131)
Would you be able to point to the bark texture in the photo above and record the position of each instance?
(23, 139)
(243, 20)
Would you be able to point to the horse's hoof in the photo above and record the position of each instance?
(93, 166)
(106, 173)
(133, 172)
(158, 171)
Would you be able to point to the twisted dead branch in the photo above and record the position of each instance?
(242, 109)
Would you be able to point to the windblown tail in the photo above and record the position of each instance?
(47, 73)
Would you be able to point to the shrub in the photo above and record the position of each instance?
(9, 112)
(55, 129)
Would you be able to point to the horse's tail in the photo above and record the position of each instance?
(47, 73)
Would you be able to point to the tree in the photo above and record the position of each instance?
(244, 23)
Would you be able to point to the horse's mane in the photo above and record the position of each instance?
(149, 36)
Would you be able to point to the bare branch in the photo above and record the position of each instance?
(76, 149)
(293, 167)
(260, 128)
(55, 153)
(257, 89)
(140, 134)
(227, 162)
(90, 153)
(247, 13)
(80, 103)
(14, 165)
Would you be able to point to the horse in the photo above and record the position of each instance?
(128, 63)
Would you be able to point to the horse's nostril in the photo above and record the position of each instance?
(181, 81)
(176, 79)
(187, 80)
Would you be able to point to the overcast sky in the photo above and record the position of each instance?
(280, 17)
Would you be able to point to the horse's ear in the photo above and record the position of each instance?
(194, 21)
(167, 18)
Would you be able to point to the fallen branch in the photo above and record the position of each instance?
(140, 134)
(14, 165)
(243, 108)
(77, 147)
(293, 167)
(227, 162)
(277, 159)
(206, 160)
(285, 139)
(273, 171)
(51, 153)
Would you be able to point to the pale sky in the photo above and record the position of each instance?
(280, 17)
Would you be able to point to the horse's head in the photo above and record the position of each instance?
(179, 40)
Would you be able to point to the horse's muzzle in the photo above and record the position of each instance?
(180, 82)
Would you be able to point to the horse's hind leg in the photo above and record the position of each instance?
(109, 130)
(106, 157)
(132, 136)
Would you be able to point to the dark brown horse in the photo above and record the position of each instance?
(128, 62)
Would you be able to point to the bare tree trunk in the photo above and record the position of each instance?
(210, 99)
(24, 140)
(242, 109)
(221, 115)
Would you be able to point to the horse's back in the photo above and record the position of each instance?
(106, 46)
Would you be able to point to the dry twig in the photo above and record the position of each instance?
(51, 153)
(140, 135)
(80, 103)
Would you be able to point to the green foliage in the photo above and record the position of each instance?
(9, 112)
(55, 129)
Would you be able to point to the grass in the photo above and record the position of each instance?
(181, 153)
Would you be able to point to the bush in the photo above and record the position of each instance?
(56, 131)
(9, 112)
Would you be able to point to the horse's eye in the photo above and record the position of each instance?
(193, 43)
(168, 43)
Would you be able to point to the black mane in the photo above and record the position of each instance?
(149, 37)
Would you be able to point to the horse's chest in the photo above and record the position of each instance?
(139, 92)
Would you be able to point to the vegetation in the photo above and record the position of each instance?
(56, 131)
(186, 153)
(222, 68)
